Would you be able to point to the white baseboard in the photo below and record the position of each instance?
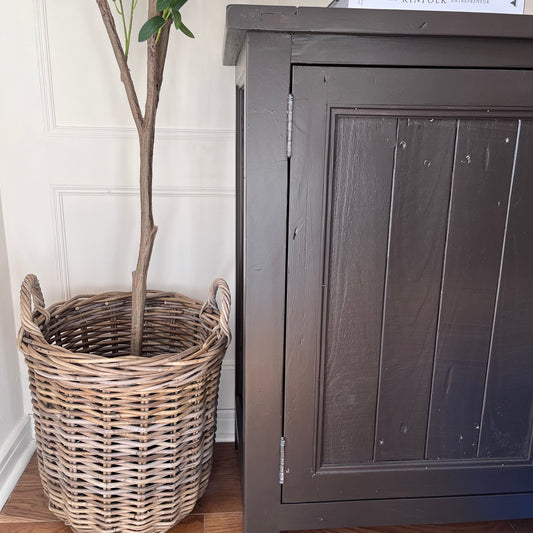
(225, 425)
(14, 457)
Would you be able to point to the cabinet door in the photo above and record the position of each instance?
(409, 351)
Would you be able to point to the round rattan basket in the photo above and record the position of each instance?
(124, 444)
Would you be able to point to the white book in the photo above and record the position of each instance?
(515, 7)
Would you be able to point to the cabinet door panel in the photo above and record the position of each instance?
(408, 279)
(508, 411)
(480, 196)
(356, 260)
(419, 214)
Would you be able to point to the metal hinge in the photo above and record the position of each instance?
(290, 104)
(282, 460)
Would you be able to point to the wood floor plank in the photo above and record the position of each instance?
(35, 527)
(190, 524)
(474, 527)
(27, 502)
(224, 490)
(522, 526)
(223, 523)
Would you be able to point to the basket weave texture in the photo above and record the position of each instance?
(124, 444)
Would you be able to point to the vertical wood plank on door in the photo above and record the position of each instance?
(358, 220)
(508, 417)
(424, 162)
(480, 189)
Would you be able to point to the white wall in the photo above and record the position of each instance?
(10, 386)
(16, 444)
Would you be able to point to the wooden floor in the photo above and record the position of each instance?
(219, 511)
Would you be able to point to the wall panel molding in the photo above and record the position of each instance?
(59, 192)
(117, 132)
(53, 129)
(44, 63)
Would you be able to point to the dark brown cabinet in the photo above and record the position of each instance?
(385, 266)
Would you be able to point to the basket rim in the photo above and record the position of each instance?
(217, 334)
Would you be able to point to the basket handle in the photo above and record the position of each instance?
(225, 304)
(31, 297)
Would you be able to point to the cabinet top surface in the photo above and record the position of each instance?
(241, 19)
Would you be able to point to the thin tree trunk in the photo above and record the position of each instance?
(154, 76)
(148, 233)
(157, 52)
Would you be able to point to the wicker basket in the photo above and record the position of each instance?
(124, 443)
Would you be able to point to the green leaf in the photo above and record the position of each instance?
(179, 4)
(151, 27)
(166, 4)
(186, 31)
(177, 18)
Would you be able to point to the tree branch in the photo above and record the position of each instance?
(156, 56)
(162, 53)
(125, 74)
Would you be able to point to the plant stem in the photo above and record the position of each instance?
(166, 16)
(120, 9)
(126, 27)
(128, 34)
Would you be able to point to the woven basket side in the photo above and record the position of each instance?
(124, 444)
